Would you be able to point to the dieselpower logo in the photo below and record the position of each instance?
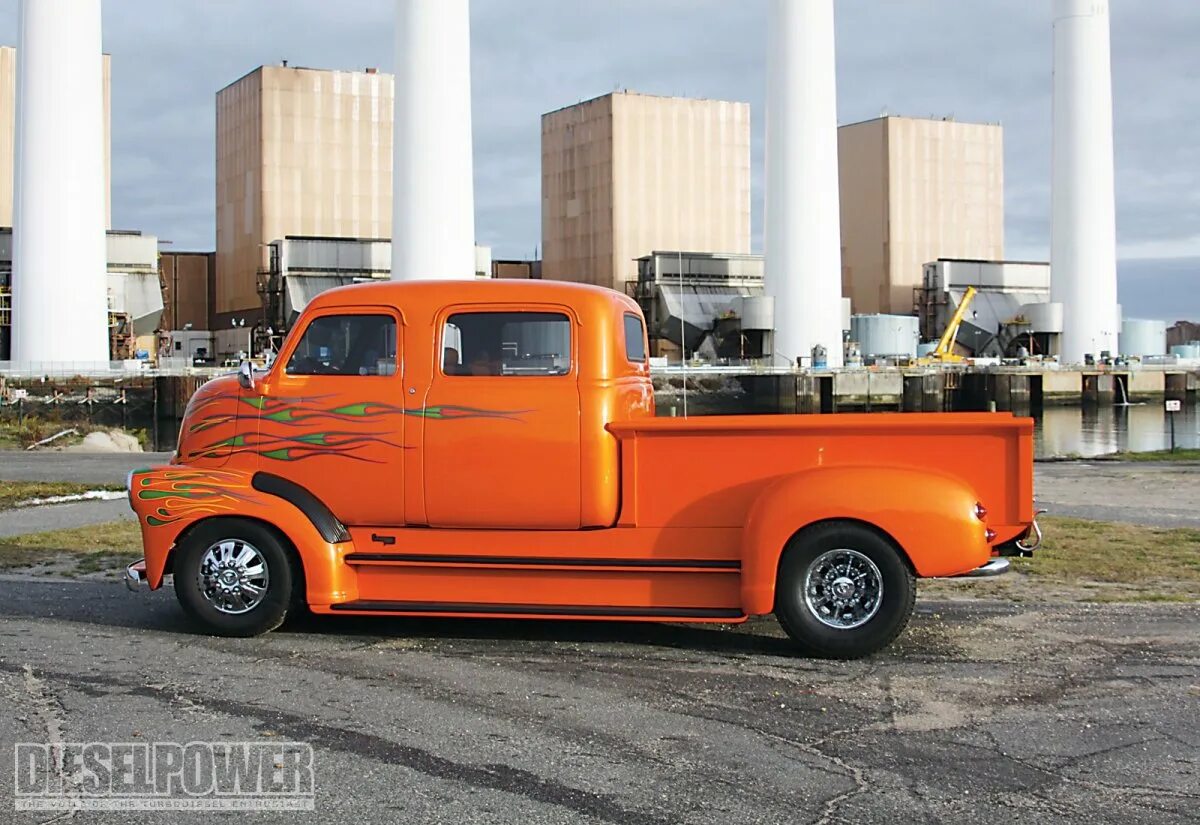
(126, 776)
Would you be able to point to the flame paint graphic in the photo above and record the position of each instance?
(188, 494)
(287, 431)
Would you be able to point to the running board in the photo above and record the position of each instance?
(542, 610)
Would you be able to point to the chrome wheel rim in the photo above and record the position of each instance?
(233, 576)
(843, 589)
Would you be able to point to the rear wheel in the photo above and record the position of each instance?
(234, 577)
(843, 591)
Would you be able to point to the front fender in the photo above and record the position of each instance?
(929, 515)
(170, 500)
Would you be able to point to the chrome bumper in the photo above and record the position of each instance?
(135, 574)
(994, 567)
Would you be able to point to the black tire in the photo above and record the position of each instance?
(883, 616)
(281, 585)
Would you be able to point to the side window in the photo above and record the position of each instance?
(506, 343)
(346, 345)
(635, 340)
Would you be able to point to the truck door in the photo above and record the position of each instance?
(501, 420)
(331, 418)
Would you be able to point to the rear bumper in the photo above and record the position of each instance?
(995, 567)
(135, 575)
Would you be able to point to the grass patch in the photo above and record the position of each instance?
(1188, 454)
(14, 492)
(84, 549)
(1094, 561)
(1077, 551)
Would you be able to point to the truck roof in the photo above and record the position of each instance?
(433, 294)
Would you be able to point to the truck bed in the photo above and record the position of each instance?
(708, 471)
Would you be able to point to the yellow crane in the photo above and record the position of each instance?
(944, 353)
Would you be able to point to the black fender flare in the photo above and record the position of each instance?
(315, 510)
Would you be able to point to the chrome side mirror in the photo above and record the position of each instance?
(246, 375)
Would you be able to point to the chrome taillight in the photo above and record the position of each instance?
(989, 535)
(980, 511)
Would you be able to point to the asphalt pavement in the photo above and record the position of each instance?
(985, 711)
(85, 468)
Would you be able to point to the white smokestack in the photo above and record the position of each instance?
(433, 204)
(60, 281)
(1083, 254)
(803, 226)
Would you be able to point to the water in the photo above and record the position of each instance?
(1092, 431)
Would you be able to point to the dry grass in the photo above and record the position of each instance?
(13, 493)
(1158, 455)
(1097, 561)
(74, 550)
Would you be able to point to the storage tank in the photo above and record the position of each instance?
(1141, 337)
(885, 335)
(756, 311)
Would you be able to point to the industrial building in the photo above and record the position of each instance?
(299, 152)
(626, 173)
(914, 190)
(711, 305)
(697, 300)
(512, 268)
(133, 287)
(188, 283)
(301, 267)
(8, 108)
(1009, 314)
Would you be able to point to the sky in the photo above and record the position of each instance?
(975, 60)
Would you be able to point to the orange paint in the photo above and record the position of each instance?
(537, 492)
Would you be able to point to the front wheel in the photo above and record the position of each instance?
(234, 578)
(843, 591)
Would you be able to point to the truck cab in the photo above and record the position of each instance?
(491, 448)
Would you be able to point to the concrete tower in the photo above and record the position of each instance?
(433, 204)
(1083, 254)
(60, 285)
(803, 234)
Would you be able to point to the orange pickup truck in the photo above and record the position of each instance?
(490, 448)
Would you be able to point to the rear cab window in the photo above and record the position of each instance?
(525, 344)
(349, 344)
(635, 339)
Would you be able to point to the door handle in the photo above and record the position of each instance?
(383, 539)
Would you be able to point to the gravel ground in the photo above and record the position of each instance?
(983, 712)
(1157, 494)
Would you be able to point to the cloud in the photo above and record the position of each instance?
(986, 60)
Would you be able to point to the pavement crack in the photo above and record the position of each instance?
(498, 777)
(49, 710)
(861, 785)
(845, 769)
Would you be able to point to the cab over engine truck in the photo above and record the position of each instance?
(490, 448)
